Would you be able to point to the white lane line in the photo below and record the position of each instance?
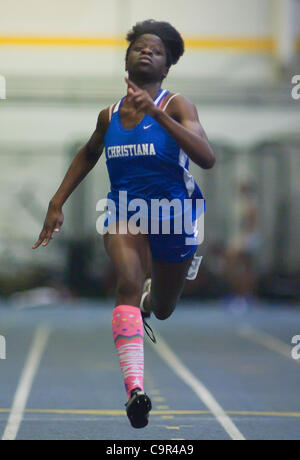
(167, 355)
(30, 368)
(267, 341)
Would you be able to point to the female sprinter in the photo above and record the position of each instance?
(148, 137)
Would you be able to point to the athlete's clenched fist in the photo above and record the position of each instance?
(140, 98)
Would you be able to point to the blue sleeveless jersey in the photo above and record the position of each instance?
(146, 161)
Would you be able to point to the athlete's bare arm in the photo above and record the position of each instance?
(181, 121)
(83, 163)
(187, 131)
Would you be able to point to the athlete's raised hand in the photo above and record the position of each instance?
(53, 222)
(140, 98)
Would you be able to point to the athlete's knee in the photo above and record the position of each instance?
(161, 305)
(162, 312)
(163, 315)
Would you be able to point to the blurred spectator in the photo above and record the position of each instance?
(243, 246)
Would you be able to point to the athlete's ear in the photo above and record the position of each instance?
(165, 72)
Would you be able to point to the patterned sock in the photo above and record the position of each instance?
(128, 334)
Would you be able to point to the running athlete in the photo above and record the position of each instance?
(148, 138)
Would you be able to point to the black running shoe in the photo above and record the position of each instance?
(138, 408)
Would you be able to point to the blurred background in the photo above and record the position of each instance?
(63, 62)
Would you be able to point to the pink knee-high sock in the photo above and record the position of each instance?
(128, 334)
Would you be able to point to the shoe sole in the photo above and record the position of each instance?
(138, 411)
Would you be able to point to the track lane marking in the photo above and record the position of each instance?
(267, 341)
(168, 356)
(164, 413)
(155, 392)
(31, 366)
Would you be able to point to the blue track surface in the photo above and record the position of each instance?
(77, 390)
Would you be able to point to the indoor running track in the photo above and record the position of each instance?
(214, 374)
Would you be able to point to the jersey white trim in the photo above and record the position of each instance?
(174, 95)
(182, 158)
(187, 176)
(117, 106)
(159, 98)
(110, 112)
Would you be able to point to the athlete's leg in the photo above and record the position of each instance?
(168, 280)
(130, 257)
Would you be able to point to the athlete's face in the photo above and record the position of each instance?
(147, 58)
